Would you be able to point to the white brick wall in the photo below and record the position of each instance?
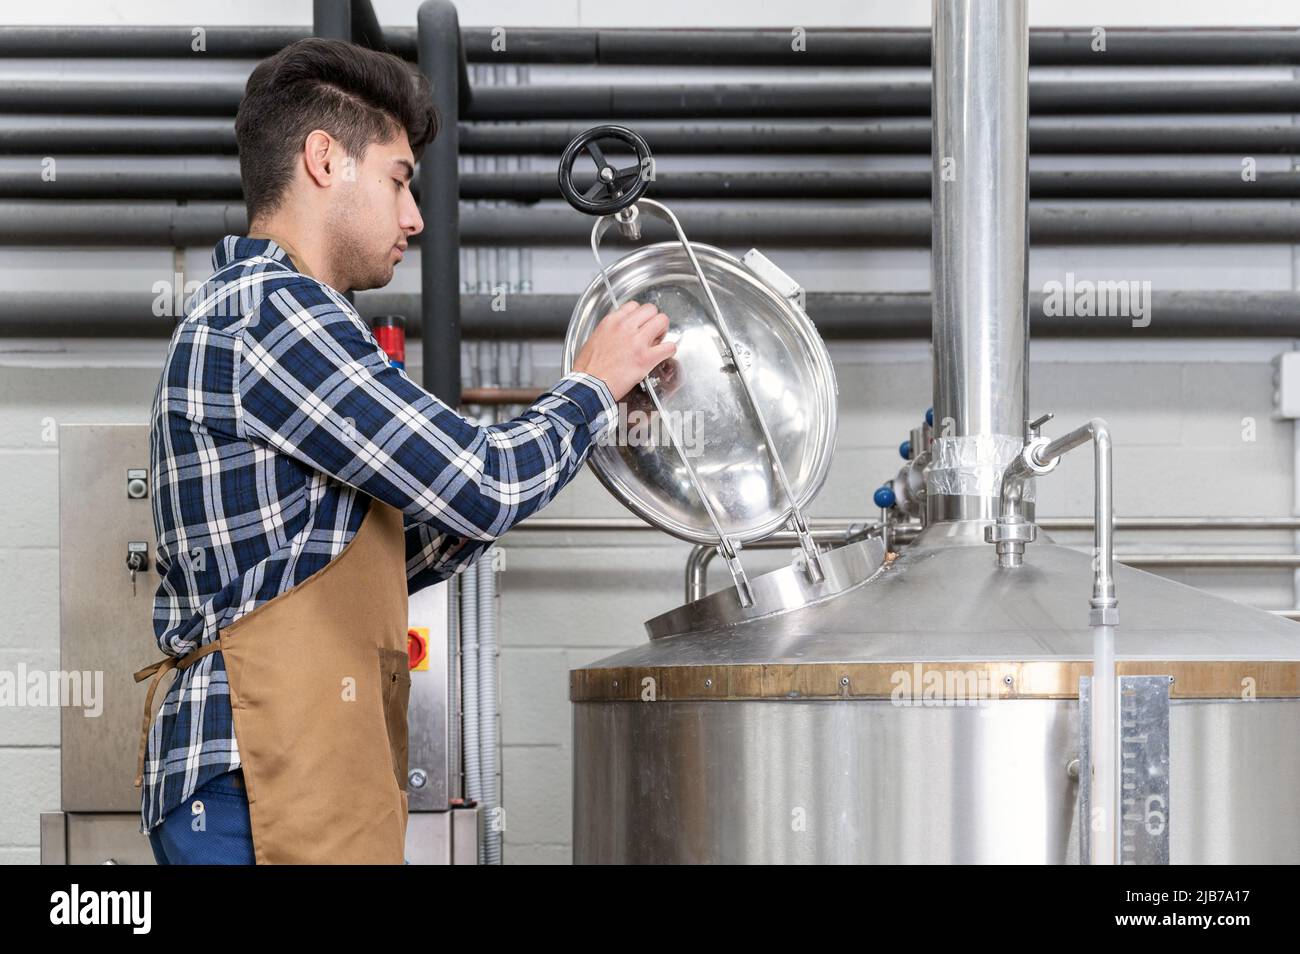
(571, 598)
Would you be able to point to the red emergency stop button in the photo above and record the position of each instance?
(417, 647)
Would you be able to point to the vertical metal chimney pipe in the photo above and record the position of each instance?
(979, 251)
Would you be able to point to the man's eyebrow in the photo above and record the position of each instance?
(410, 169)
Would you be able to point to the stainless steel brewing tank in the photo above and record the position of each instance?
(764, 733)
(791, 738)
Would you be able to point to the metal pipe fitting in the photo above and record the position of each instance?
(1013, 530)
(1041, 456)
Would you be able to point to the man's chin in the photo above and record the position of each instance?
(375, 280)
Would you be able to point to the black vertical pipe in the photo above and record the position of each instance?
(365, 27)
(332, 19)
(442, 61)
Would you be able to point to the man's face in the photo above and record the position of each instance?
(374, 214)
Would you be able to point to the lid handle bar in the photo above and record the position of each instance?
(616, 197)
(798, 523)
(727, 547)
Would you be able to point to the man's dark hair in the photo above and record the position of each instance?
(358, 96)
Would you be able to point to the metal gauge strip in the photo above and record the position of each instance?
(1143, 803)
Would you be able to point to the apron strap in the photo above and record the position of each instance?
(157, 670)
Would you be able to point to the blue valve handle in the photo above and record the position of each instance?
(884, 497)
(905, 450)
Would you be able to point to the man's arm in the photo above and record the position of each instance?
(432, 556)
(312, 383)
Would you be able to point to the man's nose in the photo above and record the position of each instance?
(411, 222)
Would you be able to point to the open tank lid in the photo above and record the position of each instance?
(704, 402)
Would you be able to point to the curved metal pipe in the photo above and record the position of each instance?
(1012, 531)
(1103, 600)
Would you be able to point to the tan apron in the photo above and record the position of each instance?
(319, 682)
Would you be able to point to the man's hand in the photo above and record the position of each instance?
(626, 346)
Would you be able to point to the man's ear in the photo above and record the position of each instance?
(321, 156)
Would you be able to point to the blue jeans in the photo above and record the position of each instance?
(211, 827)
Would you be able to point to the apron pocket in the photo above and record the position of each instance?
(395, 681)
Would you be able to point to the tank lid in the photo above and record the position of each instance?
(704, 402)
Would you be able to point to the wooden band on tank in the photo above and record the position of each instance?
(921, 683)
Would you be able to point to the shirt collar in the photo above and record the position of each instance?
(234, 248)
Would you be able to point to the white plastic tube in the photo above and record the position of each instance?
(1105, 744)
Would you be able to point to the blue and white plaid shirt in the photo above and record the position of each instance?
(277, 417)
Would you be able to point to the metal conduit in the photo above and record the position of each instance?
(149, 222)
(206, 177)
(219, 96)
(839, 316)
(1047, 134)
(825, 47)
(174, 135)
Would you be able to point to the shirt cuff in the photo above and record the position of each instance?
(595, 399)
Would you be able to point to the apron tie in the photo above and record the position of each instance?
(158, 669)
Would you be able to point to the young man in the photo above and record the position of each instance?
(303, 487)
